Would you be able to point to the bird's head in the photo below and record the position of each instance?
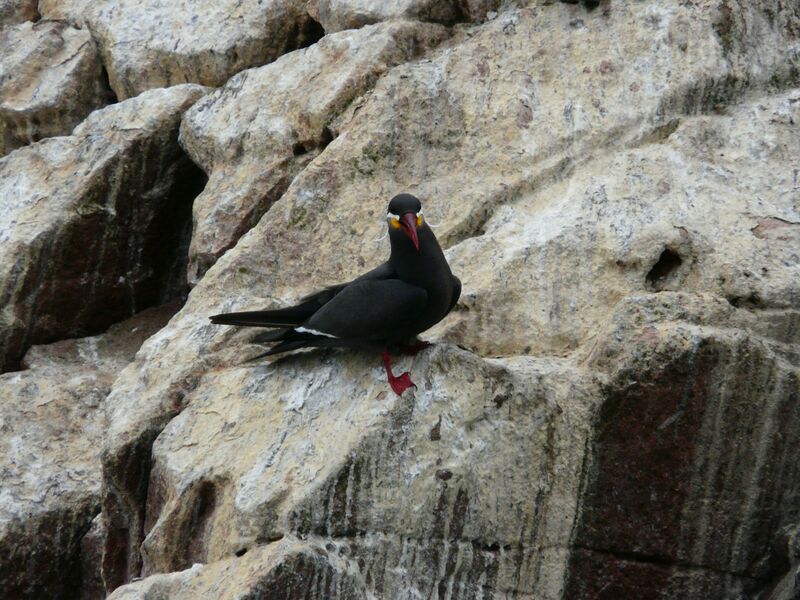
(405, 217)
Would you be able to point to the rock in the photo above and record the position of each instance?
(265, 125)
(92, 224)
(52, 426)
(705, 209)
(17, 11)
(50, 80)
(570, 162)
(336, 15)
(288, 569)
(150, 44)
(73, 12)
(690, 462)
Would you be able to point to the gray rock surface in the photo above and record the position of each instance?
(91, 224)
(50, 80)
(152, 43)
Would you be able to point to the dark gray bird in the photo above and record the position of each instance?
(384, 308)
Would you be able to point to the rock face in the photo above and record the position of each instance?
(155, 44)
(92, 223)
(256, 133)
(612, 409)
(50, 80)
(51, 419)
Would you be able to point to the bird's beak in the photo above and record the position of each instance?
(409, 222)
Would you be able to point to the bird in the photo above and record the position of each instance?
(383, 309)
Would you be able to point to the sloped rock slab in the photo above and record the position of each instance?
(51, 78)
(52, 426)
(259, 453)
(90, 230)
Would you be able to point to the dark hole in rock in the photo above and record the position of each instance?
(170, 251)
(105, 81)
(326, 137)
(666, 264)
(299, 149)
(305, 34)
(750, 301)
(240, 553)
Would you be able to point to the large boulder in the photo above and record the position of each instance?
(153, 43)
(265, 125)
(93, 226)
(51, 419)
(50, 80)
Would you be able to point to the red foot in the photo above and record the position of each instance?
(413, 349)
(400, 383)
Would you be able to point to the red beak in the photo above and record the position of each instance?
(409, 221)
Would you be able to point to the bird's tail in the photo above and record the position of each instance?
(285, 317)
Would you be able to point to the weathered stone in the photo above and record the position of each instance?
(52, 426)
(92, 224)
(335, 15)
(256, 133)
(343, 459)
(50, 79)
(692, 481)
(151, 43)
(17, 11)
(288, 569)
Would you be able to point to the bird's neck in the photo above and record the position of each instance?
(425, 267)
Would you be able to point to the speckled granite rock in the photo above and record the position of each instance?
(50, 80)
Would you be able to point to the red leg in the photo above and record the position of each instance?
(400, 383)
(413, 349)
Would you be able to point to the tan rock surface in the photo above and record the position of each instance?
(50, 80)
(51, 419)
(151, 43)
(265, 125)
(539, 142)
(71, 11)
(90, 227)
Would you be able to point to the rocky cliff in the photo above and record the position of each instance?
(611, 411)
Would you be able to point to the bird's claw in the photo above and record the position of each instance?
(401, 383)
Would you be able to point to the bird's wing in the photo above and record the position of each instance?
(456, 292)
(369, 309)
(293, 316)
